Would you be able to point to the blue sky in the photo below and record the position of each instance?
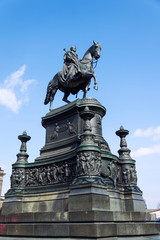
(33, 35)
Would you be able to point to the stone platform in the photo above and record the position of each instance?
(76, 189)
(156, 237)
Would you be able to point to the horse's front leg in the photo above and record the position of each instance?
(95, 82)
(85, 91)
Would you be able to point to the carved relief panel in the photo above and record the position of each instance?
(89, 163)
(129, 175)
(61, 130)
(43, 175)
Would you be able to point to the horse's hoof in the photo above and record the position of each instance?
(96, 87)
(66, 100)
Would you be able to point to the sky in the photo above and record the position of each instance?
(33, 36)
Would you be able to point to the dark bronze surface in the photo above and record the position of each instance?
(76, 74)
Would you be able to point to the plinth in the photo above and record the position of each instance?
(1, 182)
(76, 188)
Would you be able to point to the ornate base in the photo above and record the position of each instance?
(76, 189)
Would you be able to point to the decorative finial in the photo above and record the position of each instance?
(23, 156)
(124, 152)
(121, 127)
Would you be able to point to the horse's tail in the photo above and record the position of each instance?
(49, 92)
(51, 86)
(47, 99)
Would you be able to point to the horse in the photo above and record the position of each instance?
(80, 81)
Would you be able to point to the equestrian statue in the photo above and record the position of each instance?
(76, 74)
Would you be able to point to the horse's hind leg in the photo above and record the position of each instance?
(65, 98)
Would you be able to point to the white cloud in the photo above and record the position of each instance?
(153, 132)
(143, 151)
(25, 85)
(14, 79)
(11, 91)
(9, 99)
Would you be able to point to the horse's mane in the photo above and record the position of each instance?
(89, 50)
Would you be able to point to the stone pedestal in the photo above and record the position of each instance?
(76, 188)
(1, 182)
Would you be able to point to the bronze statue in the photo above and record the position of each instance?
(76, 74)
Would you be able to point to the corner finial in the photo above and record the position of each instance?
(124, 152)
(23, 156)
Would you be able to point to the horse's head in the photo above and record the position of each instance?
(96, 50)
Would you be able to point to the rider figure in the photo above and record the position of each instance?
(71, 65)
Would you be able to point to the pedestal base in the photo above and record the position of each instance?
(76, 189)
(81, 212)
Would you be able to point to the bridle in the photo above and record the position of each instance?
(86, 61)
(96, 61)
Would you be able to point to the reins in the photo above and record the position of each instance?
(95, 63)
(90, 61)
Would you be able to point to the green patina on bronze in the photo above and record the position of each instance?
(74, 149)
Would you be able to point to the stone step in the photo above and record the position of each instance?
(78, 216)
(80, 230)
